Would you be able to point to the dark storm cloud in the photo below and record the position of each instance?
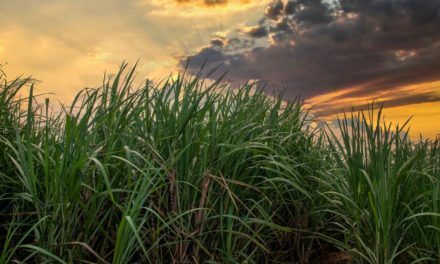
(315, 47)
(209, 55)
(275, 9)
(217, 42)
(309, 12)
(257, 32)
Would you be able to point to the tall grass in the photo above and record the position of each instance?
(192, 172)
(381, 188)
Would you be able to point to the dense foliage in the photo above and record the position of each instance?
(189, 172)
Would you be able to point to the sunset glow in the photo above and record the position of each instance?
(68, 45)
(220, 131)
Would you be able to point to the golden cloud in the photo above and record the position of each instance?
(198, 8)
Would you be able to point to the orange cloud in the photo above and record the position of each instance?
(418, 101)
(201, 8)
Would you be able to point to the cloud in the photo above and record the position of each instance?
(218, 41)
(275, 9)
(257, 32)
(206, 2)
(202, 8)
(68, 45)
(314, 47)
(331, 109)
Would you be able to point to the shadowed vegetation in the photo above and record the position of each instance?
(192, 172)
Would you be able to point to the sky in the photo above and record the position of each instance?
(337, 54)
